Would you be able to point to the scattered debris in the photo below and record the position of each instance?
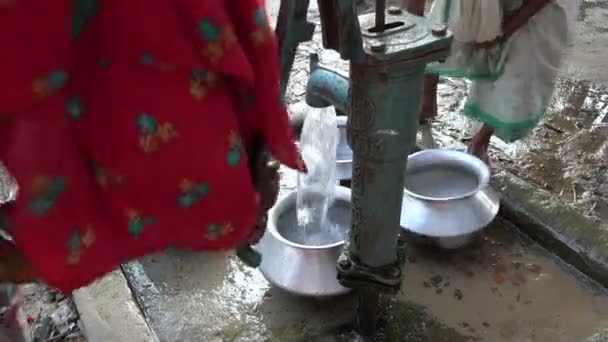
(49, 316)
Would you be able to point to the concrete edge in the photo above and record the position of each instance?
(555, 225)
(110, 313)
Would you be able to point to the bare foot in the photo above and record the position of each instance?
(480, 142)
(480, 152)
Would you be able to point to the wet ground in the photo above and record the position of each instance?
(216, 298)
(504, 288)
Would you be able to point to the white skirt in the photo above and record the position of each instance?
(513, 83)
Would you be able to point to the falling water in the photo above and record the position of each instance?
(318, 143)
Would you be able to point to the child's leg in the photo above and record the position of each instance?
(429, 99)
(428, 112)
(429, 96)
(481, 141)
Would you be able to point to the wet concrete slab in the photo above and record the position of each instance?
(579, 240)
(204, 297)
(109, 311)
(504, 288)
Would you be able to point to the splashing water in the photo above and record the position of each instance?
(318, 143)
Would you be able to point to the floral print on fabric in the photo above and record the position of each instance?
(130, 126)
(43, 194)
(43, 86)
(78, 242)
(152, 134)
(191, 193)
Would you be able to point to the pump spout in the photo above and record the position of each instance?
(325, 88)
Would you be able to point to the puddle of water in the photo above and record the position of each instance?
(214, 297)
(505, 289)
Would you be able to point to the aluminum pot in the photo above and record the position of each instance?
(447, 198)
(305, 270)
(344, 154)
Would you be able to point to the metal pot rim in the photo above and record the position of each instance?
(341, 193)
(468, 161)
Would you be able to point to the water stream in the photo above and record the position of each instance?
(318, 144)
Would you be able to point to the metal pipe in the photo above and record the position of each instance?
(367, 312)
(326, 87)
(292, 29)
(380, 138)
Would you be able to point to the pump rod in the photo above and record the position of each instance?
(380, 16)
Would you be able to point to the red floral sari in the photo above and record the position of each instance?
(126, 123)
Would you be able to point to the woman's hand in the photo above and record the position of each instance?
(518, 19)
(265, 174)
(515, 21)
